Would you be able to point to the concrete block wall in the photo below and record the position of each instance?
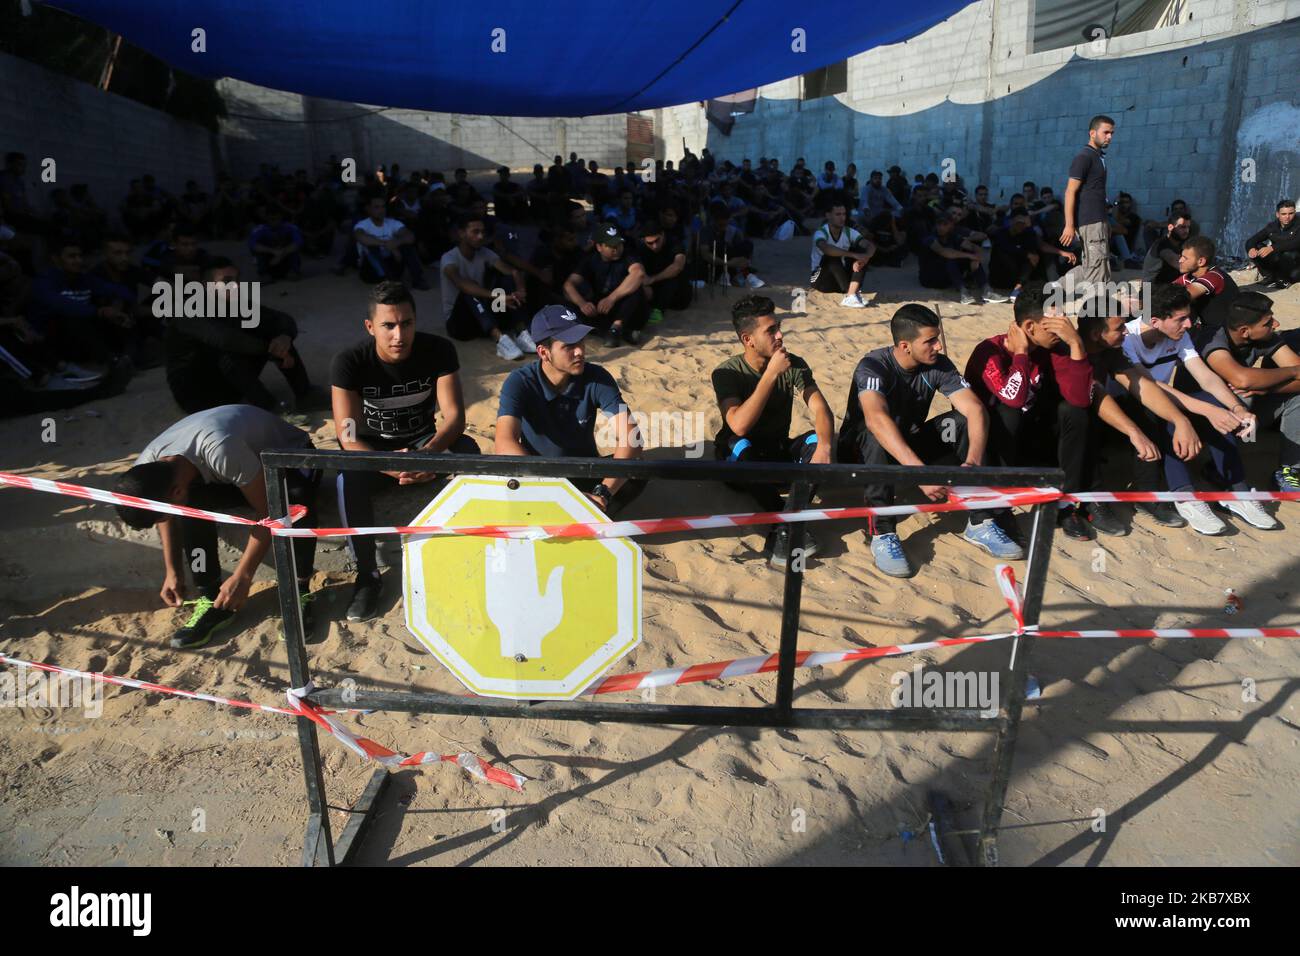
(294, 131)
(971, 90)
(97, 138)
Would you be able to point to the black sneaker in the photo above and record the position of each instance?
(365, 599)
(1105, 520)
(1163, 513)
(778, 546)
(1073, 524)
(633, 337)
(613, 338)
(202, 625)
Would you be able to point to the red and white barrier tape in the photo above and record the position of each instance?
(144, 504)
(477, 766)
(961, 499)
(390, 758)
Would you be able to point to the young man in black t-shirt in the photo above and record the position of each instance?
(551, 263)
(1275, 249)
(886, 423)
(613, 279)
(387, 390)
(755, 393)
(665, 285)
(1249, 335)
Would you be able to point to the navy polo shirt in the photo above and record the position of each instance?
(559, 424)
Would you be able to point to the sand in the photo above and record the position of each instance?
(1155, 734)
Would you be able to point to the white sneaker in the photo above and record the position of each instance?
(853, 301)
(967, 298)
(995, 297)
(1253, 513)
(754, 281)
(1200, 517)
(526, 342)
(507, 349)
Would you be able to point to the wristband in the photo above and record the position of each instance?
(602, 492)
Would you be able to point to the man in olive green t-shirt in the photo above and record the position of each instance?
(755, 393)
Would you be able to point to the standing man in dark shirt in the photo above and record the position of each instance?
(387, 390)
(886, 424)
(755, 393)
(1160, 267)
(1085, 204)
(613, 279)
(665, 285)
(1275, 249)
(548, 407)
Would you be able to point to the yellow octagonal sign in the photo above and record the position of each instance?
(523, 619)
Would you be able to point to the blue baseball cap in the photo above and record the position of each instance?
(558, 322)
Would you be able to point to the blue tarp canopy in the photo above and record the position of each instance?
(511, 58)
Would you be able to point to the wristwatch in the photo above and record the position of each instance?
(602, 492)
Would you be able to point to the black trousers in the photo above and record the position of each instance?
(235, 380)
(633, 311)
(1052, 432)
(942, 440)
(356, 492)
(833, 275)
(471, 318)
(199, 538)
(799, 449)
(674, 293)
(1280, 265)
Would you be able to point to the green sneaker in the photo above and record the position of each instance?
(656, 315)
(308, 616)
(204, 622)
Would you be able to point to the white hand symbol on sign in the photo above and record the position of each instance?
(522, 615)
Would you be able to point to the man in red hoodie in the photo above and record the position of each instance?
(1036, 381)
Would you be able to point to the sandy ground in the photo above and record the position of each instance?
(1154, 733)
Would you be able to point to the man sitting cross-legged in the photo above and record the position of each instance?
(612, 278)
(755, 393)
(835, 245)
(1163, 346)
(1275, 249)
(664, 261)
(387, 390)
(886, 423)
(548, 407)
(1036, 381)
(385, 247)
(1249, 335)
(470, 308)
(212, 460)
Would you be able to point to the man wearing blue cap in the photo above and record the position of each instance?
(548, 407)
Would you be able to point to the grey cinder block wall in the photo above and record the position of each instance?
(294, 131)
(1208, 110)
(97, 138)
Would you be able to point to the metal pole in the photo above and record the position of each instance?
(319, 846)
(1040, 552)
(791, 601)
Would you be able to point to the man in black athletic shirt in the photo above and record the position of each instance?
(387, 390)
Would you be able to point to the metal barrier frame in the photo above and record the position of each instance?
(319, 847)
